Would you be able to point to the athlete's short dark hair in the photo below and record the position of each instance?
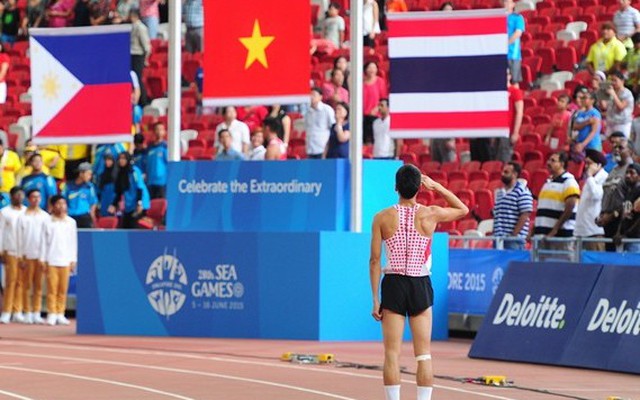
(408, 180)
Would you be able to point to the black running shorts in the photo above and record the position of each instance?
(406, 295)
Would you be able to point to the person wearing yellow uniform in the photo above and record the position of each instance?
(606, 54)
(10, 165)
(53, 157)
(76, 155)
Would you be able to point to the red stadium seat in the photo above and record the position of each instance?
(491, 166)
(484, 201)
(538, 178)
(467, 224)
(467, 197)
(479, 175)
(548, 56)
(429, 166)
(450, 166)
(494, 185)
(409, 158)
(108, 223)
(458, 175)
(567, 59)
(470, 166)
(576, 169)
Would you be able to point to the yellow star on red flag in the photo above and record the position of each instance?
(256, 45)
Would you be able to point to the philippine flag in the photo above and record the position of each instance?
(81, 84)
(448, 74)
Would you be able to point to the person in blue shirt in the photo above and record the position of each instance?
(106, 184)
(139, 152)
(156, 161)
(515, 29)
(98, 164)
(616, 139)
(130, 186)
(227, 153)
(338, 144)
(588, 123)
(81, 197)
(37, 179)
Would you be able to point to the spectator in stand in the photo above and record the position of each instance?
(82, 198)
(131, 188)
(284, 131)
(239, 130)
(140, 50)
(11, 166)
(615, 139)
(75, 155)
(156, 163)
(38, 180)
(194, 20)
(606, 54)
(151, 15)
(82, 13)
(54, 163)
(591, 201)
(60, 256)
(516, 113)
(374, 89)
(515, 29)
(342, 64)
(614, 192)
(556, 136)
(139, 152)
(627, 22)
(599, 86)
(514, 205)
(276, 148)
(371, 18)
(227, 152)
(114, 149)
(588, 123)
(397, 6)
(318, 122)
(99, 12)
(9, 217)
(446, 6)
(106, 184)
(384, 147)
(59, 12)
(333, 26)
(35, 17)
(257, 150)
(557, 204)
(632, 65)
(4, 69)
(629, 227)
(333, 92)
(443, 150)
(29, 150)
(123, 10)
(338, 144)
(10, 22)
(620, 111)
(30, 228)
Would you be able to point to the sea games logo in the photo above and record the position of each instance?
(218, 289)
(166, 284)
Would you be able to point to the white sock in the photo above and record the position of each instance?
(424, 392)
(392, 392)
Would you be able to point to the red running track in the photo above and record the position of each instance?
(51, 363)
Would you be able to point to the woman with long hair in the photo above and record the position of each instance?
(130, 186)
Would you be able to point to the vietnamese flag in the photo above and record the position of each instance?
(256, 52)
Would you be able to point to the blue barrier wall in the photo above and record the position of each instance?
(312, 286)
(584, 315)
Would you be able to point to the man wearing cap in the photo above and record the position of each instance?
(620, 110)
(629, 213)
(81, 197)
(591, 201)
(607, 53)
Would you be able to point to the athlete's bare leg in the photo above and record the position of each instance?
(421, 330)
(392, 331)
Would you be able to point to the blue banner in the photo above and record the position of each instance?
(608, 334)
(535, 312)
(474, 276)
(602, 257)
(306, 286)
(310, 195)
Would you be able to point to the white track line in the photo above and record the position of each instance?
(228, 360)
(14, 395)
(177, 370)
(107, 381)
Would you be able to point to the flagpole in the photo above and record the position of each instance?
(356, 115)
(175, 72)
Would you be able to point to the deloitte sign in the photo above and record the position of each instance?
(546, 313)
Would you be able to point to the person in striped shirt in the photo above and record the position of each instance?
(514, 205)
(557, 204)
(627, 22)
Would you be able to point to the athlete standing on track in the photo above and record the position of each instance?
(406, 230)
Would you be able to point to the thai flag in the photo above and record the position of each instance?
(81, 84)
(448, 74)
